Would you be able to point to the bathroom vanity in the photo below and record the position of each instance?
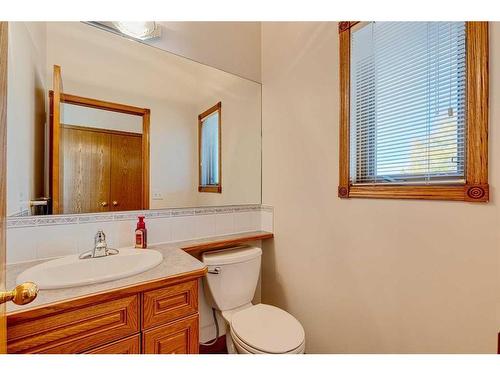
(154, 312)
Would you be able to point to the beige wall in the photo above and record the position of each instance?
(231, 46)
(366, 276)
(25, 114)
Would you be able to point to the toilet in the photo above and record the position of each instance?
(230, 285)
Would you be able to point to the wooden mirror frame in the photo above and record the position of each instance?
(476, 188)
(55, 100)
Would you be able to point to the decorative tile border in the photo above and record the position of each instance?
(32, 221)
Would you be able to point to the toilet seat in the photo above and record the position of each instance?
(267, 329)
(243, 348)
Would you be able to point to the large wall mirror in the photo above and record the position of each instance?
(98, 122)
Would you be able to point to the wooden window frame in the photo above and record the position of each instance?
(218, 187)
(476, 188)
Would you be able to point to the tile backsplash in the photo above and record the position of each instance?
(30, 238)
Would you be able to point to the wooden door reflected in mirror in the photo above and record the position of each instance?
(99, 154)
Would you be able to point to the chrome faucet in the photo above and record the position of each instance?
(100, 248)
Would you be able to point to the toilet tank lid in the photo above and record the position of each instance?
(231, 256)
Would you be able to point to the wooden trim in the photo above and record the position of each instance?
(128, 345)
(102, 104)
(443, 192)
(210, 188)
(55, 145)
(224, 243)
(146, 119)
(178, 337)
(145, 113)
(344, 78)
(99, 130)
(78, 330)
(168, 304)
(4, 31)
(477, 111)
(346, 25)
(476, 188)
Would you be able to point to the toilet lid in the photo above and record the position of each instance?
(268, 329)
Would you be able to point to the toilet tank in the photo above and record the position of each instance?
(232, 276)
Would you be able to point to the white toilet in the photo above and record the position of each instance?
(253, 329)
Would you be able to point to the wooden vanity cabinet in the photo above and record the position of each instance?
(161, 320)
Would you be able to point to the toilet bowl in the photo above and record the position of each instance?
(252, 329)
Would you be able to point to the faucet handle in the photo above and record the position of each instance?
(100, 237)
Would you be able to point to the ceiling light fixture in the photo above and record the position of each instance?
(138, 30)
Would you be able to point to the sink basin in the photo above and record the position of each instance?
(70, 271)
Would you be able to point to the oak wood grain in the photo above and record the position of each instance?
(224, 243)
(179, 337)
(102, 104)
(344, 110)
(126, 173)
(55, 178)
(170, 303)
(87, 170)
(129, 345)
(77, 330)
(477, 108)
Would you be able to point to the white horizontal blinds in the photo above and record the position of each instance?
(408, 103)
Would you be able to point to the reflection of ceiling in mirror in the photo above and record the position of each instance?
(144, 30)
(234, 47)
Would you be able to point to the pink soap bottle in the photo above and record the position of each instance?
(141, 234)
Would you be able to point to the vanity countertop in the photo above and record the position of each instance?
(177, 262)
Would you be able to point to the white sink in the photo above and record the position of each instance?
(70, 271)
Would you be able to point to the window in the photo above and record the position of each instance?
(209, 147)
(414, 110)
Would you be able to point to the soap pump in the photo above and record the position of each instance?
(141, 234)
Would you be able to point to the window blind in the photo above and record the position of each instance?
(407, 104)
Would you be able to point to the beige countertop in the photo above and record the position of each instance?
(176, 262)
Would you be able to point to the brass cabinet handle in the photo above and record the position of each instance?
(104, 204)
(21, 294)
(115, 203)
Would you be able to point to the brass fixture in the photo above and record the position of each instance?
(21, 294)
(115, 203)
(104, 204)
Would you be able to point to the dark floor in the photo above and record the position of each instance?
(219, 347)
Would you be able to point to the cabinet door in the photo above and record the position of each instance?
(130, 345)
(126, 172)
(77, 330)
(86, 170)
(179, 337)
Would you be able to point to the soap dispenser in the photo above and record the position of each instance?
(141, 234)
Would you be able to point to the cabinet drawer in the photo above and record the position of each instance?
(130, 345)
(78, 330)
(167, 304)
(179, 337)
